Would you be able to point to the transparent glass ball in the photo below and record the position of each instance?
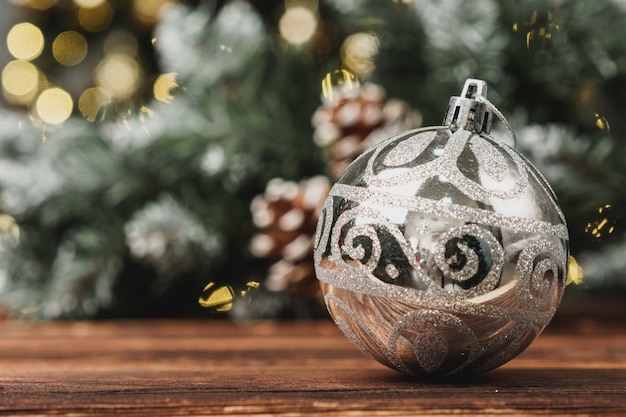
(441, 252)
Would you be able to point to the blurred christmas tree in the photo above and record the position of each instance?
(131, 152)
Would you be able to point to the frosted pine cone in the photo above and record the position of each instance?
(287, 215)
(356, 120)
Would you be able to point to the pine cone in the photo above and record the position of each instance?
(287, 215)
(356, 120)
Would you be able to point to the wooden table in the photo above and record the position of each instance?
(215, 367)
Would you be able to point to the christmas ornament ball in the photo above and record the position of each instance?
(442, 251)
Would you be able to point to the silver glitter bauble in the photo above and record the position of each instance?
(442, 251)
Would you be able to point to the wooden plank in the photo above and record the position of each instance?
(213, 367)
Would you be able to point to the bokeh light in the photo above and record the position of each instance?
(69, 48)
(25, 41)
(358, 52)
(88, 3)
(539, 30)
(35, 4)
(54, 106)
(95, 18)
(603, 224)
(92, 102)
(342, 80)
(9, 231)
(119, 74)
(163, 87)
(219, 299)
(147, 11)
(297, 25)
(20, 82)
(602, 122)
(575, 273)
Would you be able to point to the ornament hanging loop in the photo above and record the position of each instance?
(473, 111)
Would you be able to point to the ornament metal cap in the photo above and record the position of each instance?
(471, 110)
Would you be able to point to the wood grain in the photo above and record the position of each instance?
(214, 367)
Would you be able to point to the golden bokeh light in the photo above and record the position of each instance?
(575, 272)
(163, 87)
(119, 74)
(539, 30)
(250, 286)
(297, 25)
(219, 299)
(147, 11)
(602, 122)
(20, 81)
(95, 18)
(9, 231)
(25, 41)
(92, 102)
(35, 4)
(342, 80)
(88, 3)
(604, 223)
(54, 106)
(69, 48)
(358, 52)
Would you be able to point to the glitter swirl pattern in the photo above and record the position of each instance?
(441, 253)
